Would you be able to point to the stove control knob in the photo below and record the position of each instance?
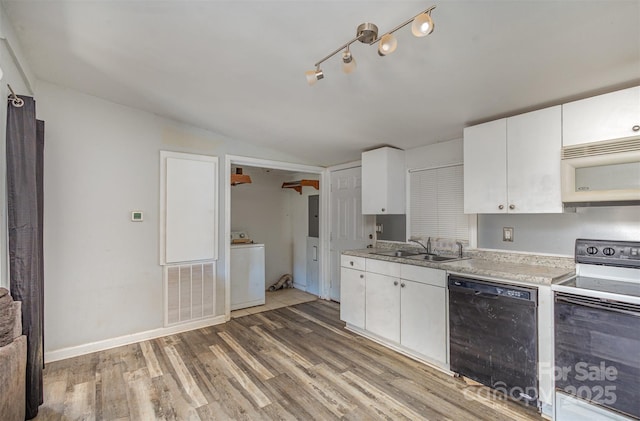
(592, 250)
(608, 251)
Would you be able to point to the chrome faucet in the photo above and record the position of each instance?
(459, 244)
(427, 247)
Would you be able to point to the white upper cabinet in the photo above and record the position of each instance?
(485, 167)
(605, 117)
(512, 165)
(383, 181)
(534, 144)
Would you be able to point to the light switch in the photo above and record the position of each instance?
(507, 234)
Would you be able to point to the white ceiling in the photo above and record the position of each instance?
(237, 67)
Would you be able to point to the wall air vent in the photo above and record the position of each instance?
(601, 148)
(189, 292)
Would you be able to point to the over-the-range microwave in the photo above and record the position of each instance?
(602, 173)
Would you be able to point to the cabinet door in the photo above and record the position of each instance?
(352, 296)
(485, 168)
(382, 306)
(534, 143)
(383, 181)
(603, 117)
(423, 320)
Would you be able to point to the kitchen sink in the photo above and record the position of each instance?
(397, 253)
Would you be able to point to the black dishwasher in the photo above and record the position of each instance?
(493, 336)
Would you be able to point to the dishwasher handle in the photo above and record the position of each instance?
(491, 290)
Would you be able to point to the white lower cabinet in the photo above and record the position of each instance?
(382, 306)
(423, 320)
(403, 304)
(352, 296)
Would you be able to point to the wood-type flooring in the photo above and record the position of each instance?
(291, 363)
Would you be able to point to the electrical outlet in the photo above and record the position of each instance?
(507, 234)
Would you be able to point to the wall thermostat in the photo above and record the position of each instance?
(136, 216)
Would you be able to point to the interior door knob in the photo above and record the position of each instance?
(512, 206)
(636, 128)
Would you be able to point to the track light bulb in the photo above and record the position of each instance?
(422, 25)
(313, 76)
(388, 44)
(348, 62)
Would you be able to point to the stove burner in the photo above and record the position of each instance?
(605, 285)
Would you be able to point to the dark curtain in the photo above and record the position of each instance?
(25, 148)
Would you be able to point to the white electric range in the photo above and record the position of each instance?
(597, 334)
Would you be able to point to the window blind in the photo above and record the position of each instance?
(437, 204)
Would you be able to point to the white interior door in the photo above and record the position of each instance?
(350, 229)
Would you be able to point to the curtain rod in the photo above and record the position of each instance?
(17, 102)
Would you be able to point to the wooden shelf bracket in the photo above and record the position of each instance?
(298, 185)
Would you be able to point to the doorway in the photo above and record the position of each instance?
(273, 216)
(350, 229)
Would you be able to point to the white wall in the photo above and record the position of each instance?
(436, 155)
(102, 277)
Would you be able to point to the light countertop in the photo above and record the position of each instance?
(519, 268)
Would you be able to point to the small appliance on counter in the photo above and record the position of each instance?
(240, 237)
(247, 272)
(597, 334)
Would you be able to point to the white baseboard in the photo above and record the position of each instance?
(74, 351)
(301, 287)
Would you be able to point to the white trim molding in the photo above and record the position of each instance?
(75, 351)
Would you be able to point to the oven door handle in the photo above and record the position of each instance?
(604, 306)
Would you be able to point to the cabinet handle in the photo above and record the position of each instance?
(501, 207)
(361, 276)
(512, 206)
(395, 282)
(382, 209)
(635, 128)
(402, 285)
(351, 263)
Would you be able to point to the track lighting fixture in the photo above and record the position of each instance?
(367, 33)
(314, 75)
(348, 62)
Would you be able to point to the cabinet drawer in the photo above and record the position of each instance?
(383, 267)
(430, 276)
(352, 262)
